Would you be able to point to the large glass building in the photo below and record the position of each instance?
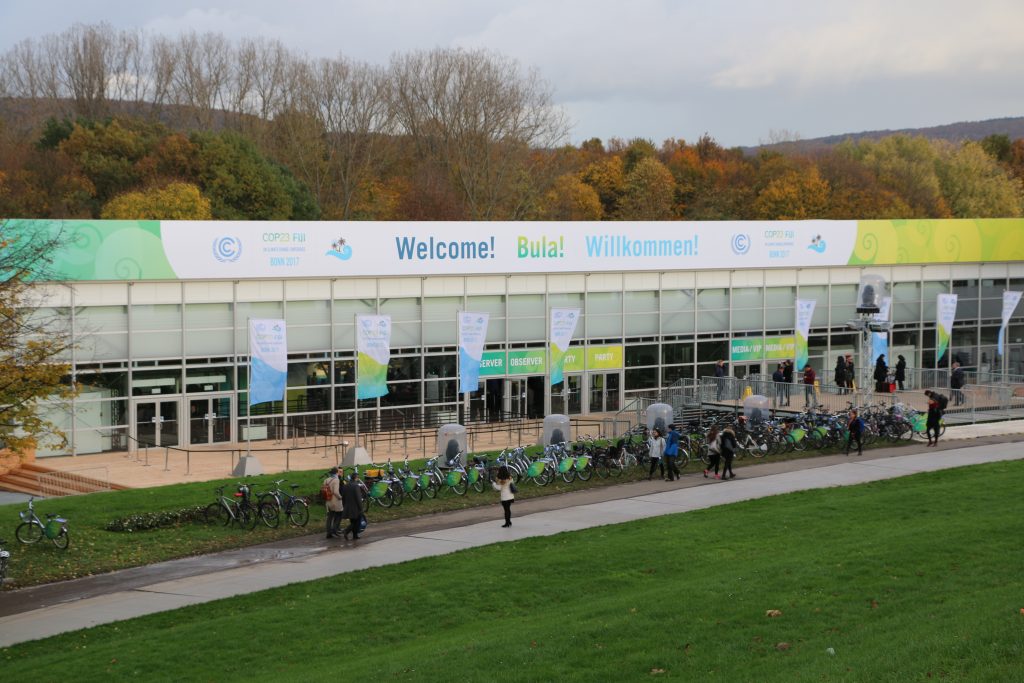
(159, 313)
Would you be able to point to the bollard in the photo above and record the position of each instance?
(188, 463)
(287, 459)
(167, 455)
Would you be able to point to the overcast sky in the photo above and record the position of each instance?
(737, 69)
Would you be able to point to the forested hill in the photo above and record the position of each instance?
(1011, 127)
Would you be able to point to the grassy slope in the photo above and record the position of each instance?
(910, 579)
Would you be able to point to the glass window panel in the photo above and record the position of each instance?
(992, 308)
(402, 394)
(495, 305)
(711, 351)
(345, 398)
(844, 294)
(403, 368)
(307, 372)
(779, 296)
(156, 344)
(156, 317)
(527, 329)
(967, 309)
(405, 334)
(674, 323)
(817, 292)
(603, 326)
(747, 319)
(906, 312)
(676, 300)
(201, 316)
(401, 309)
(308, 312)
(713, 321)
(712, 298)
(779, 318)
(209, 379)
(344, 371)
(642, 378)
(673, 373)
(496, 330)
(989, 334)
(101, 347)
(646, 323)
(311, 338)
(156, 382)
(441, 307)
(92, 319)
(673, 354)
(966, 289)
(435, 333)
(906, 291)
(440, 391)
(344, 336)
(642, 302)
(599, 303)
(840, 316)
(309, 400)
(747, 297)
(102, 385)
(209, 343)
(931, 289)
(345, 310)
(565, 300)
(258, 309)
(646, 354)
(526, 305)
(439, 366)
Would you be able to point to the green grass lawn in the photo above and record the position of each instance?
(913, 579)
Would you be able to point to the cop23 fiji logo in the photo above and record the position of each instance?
(740, 243)
(340, 250)
(227, 249)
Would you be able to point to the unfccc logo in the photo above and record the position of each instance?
(740, 243)
(227, 249)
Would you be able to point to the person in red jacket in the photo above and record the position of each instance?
(810, 399)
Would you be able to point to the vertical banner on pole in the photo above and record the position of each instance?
(373, 346)
(472, 334)
(563, 325)
(945, 315)
(268, 360)
(804, 312)
(1010, 301)
(880, 340)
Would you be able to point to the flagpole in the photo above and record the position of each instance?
(355, 339)
(248, 410)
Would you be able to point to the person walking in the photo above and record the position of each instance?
(840, 374)
(881, 375)
(656, 449)
(901, 371)
(810, 400)
(779, 378)
(728, 448)
(672, 453)
(714, 451)
(956, 383)
(787, 377)
(855, 428)
(719, 379)
(851, 373)
(334, 508)
(934, 419)
(503, 484)
(352, 502)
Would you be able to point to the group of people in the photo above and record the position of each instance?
(345, 501)
(844, 374)
(722, 447)
(783, 377)
(664, 452)
(881, 374)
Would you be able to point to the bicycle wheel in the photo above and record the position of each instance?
(298, 513)
(587, 472)
(246, 517)
(269, 499)
(461, 487)
(269, 515)
(386, 499)
(217, 514)
(431, 490)
(683, 459)
(62, 540)
(569, 476)
(478, 485)
(28, 532)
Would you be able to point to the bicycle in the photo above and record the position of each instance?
(238, 509)
(295, 508)
(32, 529)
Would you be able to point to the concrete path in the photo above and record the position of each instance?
(48, 610)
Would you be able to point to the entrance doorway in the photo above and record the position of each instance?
(156, 423)
(209, 419)
(525, 397)
(567, 396)
(604, 392)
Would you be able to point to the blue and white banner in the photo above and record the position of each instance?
(472, 334)
(562, 325)
(880, 340)
(1010, 301)
(802, 327)
(268, 360)
(373, 354)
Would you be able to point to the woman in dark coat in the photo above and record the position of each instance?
(901, 372)
(881, 375)
(352, 501)
(840, 373)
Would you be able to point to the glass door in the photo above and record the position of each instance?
(574, 394)
(156, 423)
(209, 419)
(515, 394)
(604, 392)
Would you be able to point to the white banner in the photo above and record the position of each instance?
(563, 325)
(880, 340)
(945, 306)
(472, 335)
(373, 346)
(1010, 301)
(804, 313)
(257, 249)
(268, 360)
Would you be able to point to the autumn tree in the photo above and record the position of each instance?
(907, 166)
(570, 199)
(608, 178)
(975, 185)
(795, 194)
(34, 339)
(175, 202)
(649, 193)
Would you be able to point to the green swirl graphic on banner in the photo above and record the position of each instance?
(372, 378)
(557, 364)
(938, 241)
(941, 342)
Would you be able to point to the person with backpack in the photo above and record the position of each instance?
(656, 449)
(330, 491)
(936, 404)
(728, 447)
(507, 489)
(352, 501)
(714, 452)
(855, 428)
(672, 453)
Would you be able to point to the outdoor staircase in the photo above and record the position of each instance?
(36, 480)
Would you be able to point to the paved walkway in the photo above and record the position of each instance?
(48, 610)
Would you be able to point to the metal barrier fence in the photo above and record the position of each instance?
(74, 482)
